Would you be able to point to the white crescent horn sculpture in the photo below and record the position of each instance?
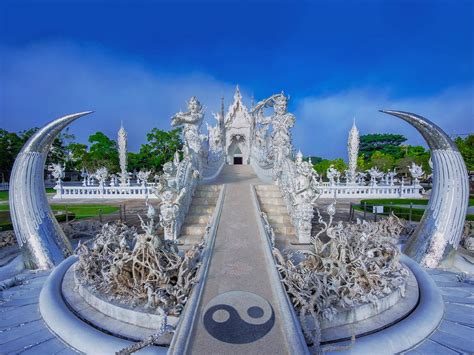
(443, 220)
(41, 239)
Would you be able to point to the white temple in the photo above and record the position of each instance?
(238, 127)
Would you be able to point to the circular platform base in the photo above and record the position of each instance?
(119, 320)
(368, 318)
(73, 330)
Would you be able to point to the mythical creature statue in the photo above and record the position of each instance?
(375, 174)
(169, 209)
(57, 171)
(101, 175)
(333, 175)
(143, 176)
(191, 122)
(282, 121)
(416, 172)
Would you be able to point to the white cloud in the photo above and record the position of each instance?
(46, 80)
(323, 123)
(42, 82)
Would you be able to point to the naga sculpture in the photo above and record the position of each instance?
(39, 235)
(443, 221)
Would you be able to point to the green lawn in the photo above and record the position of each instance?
(393, 205)
(402, 201)
(73, 211)
(4, 194)
(86, 211)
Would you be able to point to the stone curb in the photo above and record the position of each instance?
(183, 333)
(70, 329)
(294, 335)
(411, 331)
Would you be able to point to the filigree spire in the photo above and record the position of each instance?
(122, 149)
(353, 152)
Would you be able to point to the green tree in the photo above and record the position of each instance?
(384, 162)
(102, 153)
(466, 148)
(322, 167)
(78, 156)
(160, 148)
(362, 165)
(386, 143)
(11, 144)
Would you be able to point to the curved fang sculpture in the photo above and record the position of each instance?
(39, 235)
(443, 221)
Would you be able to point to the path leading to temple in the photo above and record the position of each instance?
(238, 274)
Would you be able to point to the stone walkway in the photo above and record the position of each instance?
(238, 274)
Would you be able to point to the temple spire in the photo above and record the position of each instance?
(353, 152)
(122, 150)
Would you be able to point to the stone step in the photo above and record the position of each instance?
(208, 188)
(204, 201)
(279, 218)
(273, 201)
(269, 193)
(273, 208)
(267, 188)
(199, 209)
(283, 228)
(198, 218)
(206, 193)
(193, 229)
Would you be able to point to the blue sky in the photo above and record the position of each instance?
(139, 61)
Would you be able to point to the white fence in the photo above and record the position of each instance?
(4, 186)
(104, 192)
(377, 191)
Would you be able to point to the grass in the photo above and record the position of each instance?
(402, 201)
(393, 205)
(4, 194)
(73, 211)
(86, 211)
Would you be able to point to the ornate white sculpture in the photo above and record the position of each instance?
(297, 180)
(38, 233)
(443, 221)
(57, 171)
(191, 122)
(353, 153)
(138, 269)
(358, 264)
(375, 174)
(416, 172)
(390, 176)
(333, 175)
(122, 148)
(143, 176)
(101, 175)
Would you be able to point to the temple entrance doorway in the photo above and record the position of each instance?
(238, 160)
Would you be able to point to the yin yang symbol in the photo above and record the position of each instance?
(238, 317)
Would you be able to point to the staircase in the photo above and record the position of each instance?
(199, 215)
(272, 203)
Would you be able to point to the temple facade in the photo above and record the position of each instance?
(238, 130)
